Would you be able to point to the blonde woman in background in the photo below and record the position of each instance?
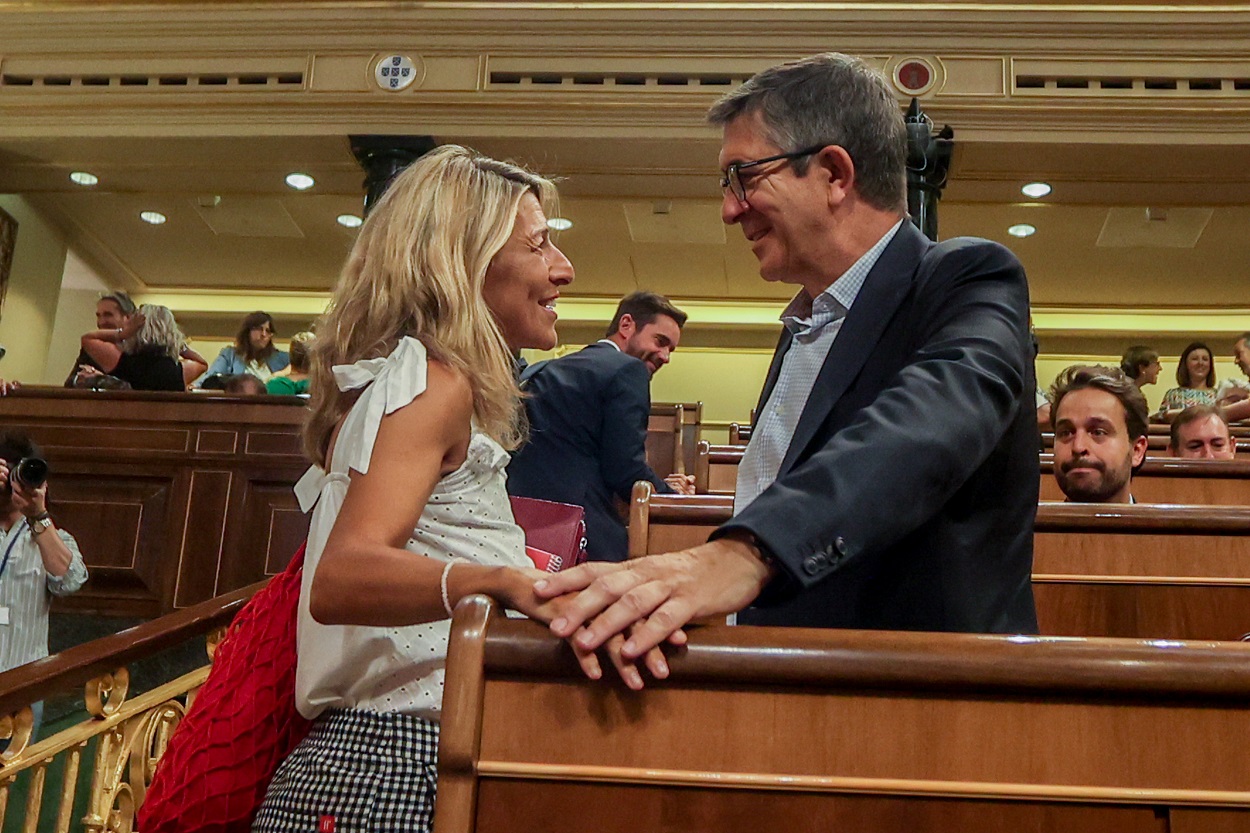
(295, 380)
(145, 352)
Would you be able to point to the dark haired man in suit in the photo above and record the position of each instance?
(588, 421)
(891, 477)
(1100, 421)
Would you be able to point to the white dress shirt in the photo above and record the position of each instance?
(814, 325)
(26, 591)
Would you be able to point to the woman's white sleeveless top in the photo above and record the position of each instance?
(468, 517)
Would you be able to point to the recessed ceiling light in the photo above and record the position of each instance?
(300, 182)
(559, 224)
(1022, 230)
(153, 217)
(1036, 190)
(83, 178)
(349, 221)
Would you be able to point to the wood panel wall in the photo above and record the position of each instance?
(173, 498)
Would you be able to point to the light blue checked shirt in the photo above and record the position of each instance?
(813, 325)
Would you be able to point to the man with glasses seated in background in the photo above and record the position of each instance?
(891, 477)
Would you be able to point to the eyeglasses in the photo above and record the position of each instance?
(731, 177)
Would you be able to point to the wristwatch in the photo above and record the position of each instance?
(40, 523)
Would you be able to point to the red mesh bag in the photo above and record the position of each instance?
(243, 723)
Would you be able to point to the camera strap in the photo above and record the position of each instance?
(13, 536)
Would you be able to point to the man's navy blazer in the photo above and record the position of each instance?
(907, 497)
(588, 416)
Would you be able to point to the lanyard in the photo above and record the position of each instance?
(13, 535)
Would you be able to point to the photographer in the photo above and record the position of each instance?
(37, 560)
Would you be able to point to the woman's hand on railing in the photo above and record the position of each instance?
(521, 596)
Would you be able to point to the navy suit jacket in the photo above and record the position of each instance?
(907, 496)
(588, 416)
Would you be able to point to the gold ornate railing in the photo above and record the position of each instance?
(130, 734)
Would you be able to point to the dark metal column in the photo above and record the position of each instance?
(383, 157)
(928, 161)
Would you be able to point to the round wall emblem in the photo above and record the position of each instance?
(397, 72)
(915, 76)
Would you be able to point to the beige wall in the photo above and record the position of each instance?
(34, 291)
(1048, 367)
(75, 315)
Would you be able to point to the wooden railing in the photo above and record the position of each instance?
(784, 729)
(131, 733)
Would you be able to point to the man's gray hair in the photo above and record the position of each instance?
(830, 99)
(122, 300)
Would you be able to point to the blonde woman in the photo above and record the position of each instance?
(148, 352)
(414, 407)
(295, 380)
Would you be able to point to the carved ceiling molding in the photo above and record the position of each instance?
(323, 51)
(641, 117)
(689, 28)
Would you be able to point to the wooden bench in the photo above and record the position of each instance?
(1173, 480)
(1157, 444)
(777, 730)
(1163, 572)
(716, 468)
(664, 523)
(1238, 430)
(1162, 479)
(174, 498)
(673, 434)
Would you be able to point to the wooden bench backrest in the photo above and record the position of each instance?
(673, 433)
(1174, 572)
(789, 729)
(1239, 431)
(1156, 443)
(1161, 572)
(1170, 480)
(716, 468)
(664, 523)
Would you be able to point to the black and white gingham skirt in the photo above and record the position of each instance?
(356, 771)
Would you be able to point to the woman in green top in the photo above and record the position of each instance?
(295, 382)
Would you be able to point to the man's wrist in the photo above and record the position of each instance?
(758, 549)
(39, 515)
(39, 524)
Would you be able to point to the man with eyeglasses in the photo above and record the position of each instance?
(891, 478)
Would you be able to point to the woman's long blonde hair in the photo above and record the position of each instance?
(417, 269)
(159, 332)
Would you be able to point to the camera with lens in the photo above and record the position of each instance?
(31, 472)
